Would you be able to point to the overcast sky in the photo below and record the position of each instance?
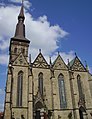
(51, 25)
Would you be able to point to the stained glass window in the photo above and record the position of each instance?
(40, 82)
(62, 94)
(19, 88)
(81, 96)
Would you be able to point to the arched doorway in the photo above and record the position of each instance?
(38, 107)
(81, 114)
(81, 111)
(37, 114)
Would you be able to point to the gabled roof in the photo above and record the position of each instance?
(59, 63)
(20, 60)
(40, 62)
(77, 65)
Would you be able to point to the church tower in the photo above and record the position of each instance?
(16, 100)
(19, 44)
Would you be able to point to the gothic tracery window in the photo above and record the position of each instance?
(40, 82)
(19, 88)
(80, 90)
(62, 94)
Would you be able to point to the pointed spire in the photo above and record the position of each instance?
(20, 27)
(39, 50)
(68, 63)
(21, 14)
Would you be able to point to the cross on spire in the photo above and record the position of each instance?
(22, 1)
(21, 15)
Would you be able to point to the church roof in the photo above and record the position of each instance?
(21, 15)
(20, 28)
(76, 65)
(19, 38)
(40, 62)
(59, 63)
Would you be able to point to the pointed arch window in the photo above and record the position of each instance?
(40, 82)
(19, 88)
(80, 90)
(62, 94)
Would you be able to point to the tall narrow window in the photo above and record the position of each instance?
(81, 96)
(19, 88)
(15, 50)
(23, 50)
(62, 94)
(40, 82)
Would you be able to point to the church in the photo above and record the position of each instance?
(38, 90)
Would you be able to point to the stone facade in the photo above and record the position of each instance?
(36, 93)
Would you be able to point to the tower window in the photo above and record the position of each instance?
(15, 50)
(62, 94)
(40, 83)
(19, 88)
(23, 50)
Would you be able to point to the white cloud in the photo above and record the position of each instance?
(3, 44)
(1, 91)
(70, 55)
(4, 59)
(39, 31)
(27, 4)
(43, 35)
